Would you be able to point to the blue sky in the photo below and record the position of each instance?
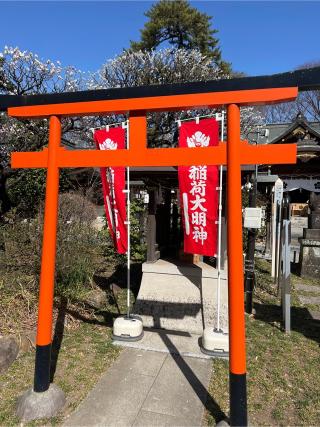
(256, 37)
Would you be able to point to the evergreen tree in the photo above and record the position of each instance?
(183, 27)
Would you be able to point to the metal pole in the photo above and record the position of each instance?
(286, 255)
(249, 267)
(47, 274)
(219, 231)
(237, 346)
(128, 228)
(279, 221)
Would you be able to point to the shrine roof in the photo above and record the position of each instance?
(279, 132)
(307, 79)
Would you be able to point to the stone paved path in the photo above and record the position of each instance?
(311, 297)
(308, 288)
(147, 388)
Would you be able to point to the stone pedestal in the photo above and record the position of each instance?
(310, 253)
(310, 242)
(314, 220)
(35, 406)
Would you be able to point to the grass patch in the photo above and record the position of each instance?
(86, 352)
(82, 347)
(283, 370)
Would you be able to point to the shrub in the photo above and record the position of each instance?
(80, 248)
(138, 227)
(26, 189)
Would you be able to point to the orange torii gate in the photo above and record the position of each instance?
(234, 153)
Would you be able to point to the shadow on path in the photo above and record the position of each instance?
(209, 403)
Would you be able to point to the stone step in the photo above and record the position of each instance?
(312, 300)
(173, 342)
(181, 297)
(307, 288)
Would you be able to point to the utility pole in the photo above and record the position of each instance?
(251, 237)
(249, 261)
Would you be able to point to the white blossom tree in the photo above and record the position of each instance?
(166, 66)
(153, 68)
(24, 73)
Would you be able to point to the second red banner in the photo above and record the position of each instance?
(198, 190)
(113, 185)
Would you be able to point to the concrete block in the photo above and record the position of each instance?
(223, 423)
(35, 406)
(314, 220)
(297, 226)
(128, 328)
(214, 341)
(312, 234)
(309, 258)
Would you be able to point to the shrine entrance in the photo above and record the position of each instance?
(178, 290)
(137, 102)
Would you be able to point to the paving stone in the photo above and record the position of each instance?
(315, 314)
(180, 389)
(147, 419)
(116, 399)
(307, 288)
(147, 388)
(142, 362)
(314, 300)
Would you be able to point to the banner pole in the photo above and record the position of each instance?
(219, 231)
(128, 228)
(237, 345)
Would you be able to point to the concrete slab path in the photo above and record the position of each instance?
(147, 388)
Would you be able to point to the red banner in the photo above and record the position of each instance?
(113, 184)
(198, 190)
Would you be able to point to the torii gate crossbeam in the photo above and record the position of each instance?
(233, 154)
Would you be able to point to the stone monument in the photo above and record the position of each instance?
(310, 242)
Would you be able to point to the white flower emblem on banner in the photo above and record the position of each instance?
(108, 144)
(198, 139)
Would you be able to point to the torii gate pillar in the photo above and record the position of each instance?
(48, 260)
(237, 350)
